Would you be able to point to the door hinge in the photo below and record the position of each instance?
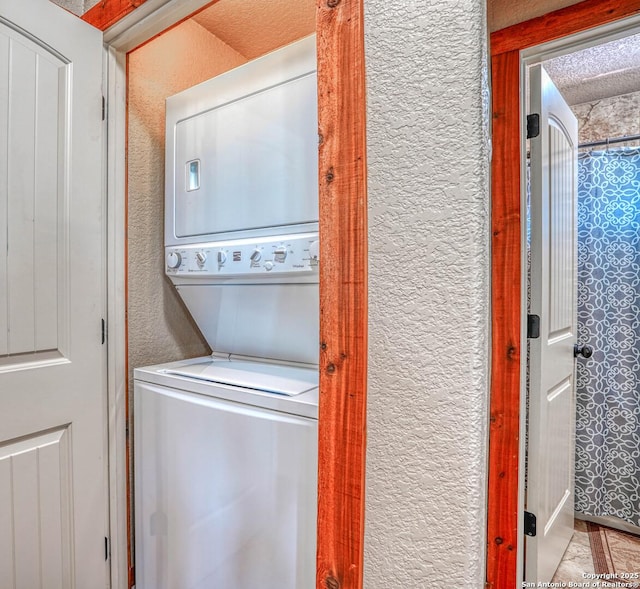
(104, 331)
(529, 524)
(533, 125)
(106, 548)
(533, 326)
(104, 108)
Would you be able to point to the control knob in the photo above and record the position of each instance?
(201, 258)
(314, 250)
(256, 255)
(174, 259)
(280, 253)
(222, 257)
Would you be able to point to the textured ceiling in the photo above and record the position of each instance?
(599, 72)
(255, 27)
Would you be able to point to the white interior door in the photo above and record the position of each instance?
(53, 500)
(550, 485)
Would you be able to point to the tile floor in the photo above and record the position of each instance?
(577, 560)
(601, 551)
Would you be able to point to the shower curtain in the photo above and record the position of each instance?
(608, 384)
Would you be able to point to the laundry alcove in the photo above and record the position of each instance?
(343, 325)
(222, 37)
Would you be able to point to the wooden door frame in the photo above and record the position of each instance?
(503, 513)
(343, 271)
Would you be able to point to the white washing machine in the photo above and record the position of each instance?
(225, 475)
(226, 446)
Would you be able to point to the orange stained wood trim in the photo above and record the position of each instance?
(507, 219)
(108, 12)
(343, 293)
(562, 23)
(504, 425)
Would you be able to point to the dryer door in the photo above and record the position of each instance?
(248, 164)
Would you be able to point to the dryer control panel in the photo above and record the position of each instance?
(284, 254)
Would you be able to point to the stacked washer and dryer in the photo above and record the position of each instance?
(226, 445)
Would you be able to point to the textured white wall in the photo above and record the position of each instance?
(428, 293)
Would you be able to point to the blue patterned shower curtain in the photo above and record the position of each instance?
(608, 384)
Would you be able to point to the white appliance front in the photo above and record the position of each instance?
(254, 297)
(225, 490)
(242, 150)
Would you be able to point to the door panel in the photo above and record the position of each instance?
(35, 106)
(550, 451)
(35, 473)
(53, 496)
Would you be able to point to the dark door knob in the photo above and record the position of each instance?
(584, 351)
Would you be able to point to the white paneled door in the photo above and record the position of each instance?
(551, 445)
(53, 496)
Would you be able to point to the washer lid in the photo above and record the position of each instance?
(272, 378)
